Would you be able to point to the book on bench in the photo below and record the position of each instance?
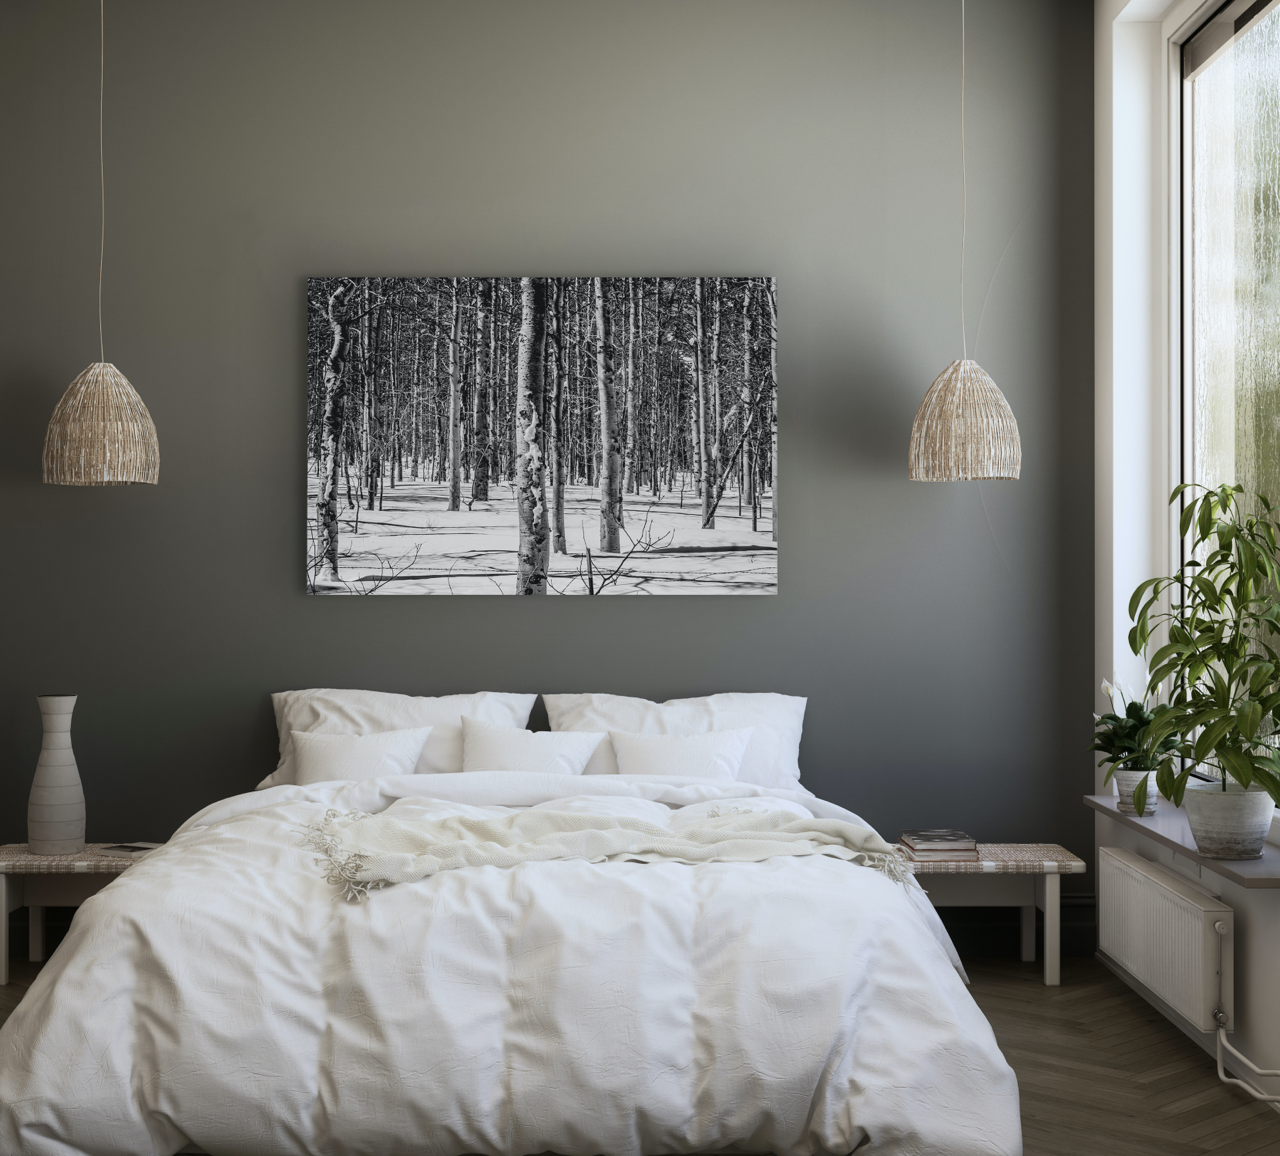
(939, 839)
(939, 845)
(940, 856)
(128, 850)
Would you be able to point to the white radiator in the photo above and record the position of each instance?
(1158, 927)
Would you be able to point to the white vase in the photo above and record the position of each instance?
(1126, 783)
(55, 809)
(1230, 824)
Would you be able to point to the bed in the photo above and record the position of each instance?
(228, 995)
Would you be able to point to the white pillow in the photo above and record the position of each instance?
(323, 758)
(773, 755)
(714, 755)
(490, 748)
(363, 712)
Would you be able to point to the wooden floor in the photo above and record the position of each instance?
(1101, 1073)
(21, 973)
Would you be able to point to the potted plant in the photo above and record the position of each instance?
(1222, 616)
(1121, 734)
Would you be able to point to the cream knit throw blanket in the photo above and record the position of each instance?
(360, 853)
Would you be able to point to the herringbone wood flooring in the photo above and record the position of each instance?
(1102, 1072)
(21, 973)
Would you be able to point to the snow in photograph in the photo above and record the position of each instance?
(605, 435)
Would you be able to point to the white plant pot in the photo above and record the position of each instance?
(55, 809)
(1230, 824)
(1127, 782)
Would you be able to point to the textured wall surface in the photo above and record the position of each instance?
(941, 632)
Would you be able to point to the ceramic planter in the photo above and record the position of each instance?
(1230, 824)
(1127, 782)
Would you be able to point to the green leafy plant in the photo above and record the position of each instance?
(1222, 616)
(1121, 734)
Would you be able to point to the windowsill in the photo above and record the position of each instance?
(1168, 827)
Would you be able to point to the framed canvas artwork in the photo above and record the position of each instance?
(531, 435)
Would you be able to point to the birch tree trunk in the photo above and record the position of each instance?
(455, 405)
(556, 368)
(415, 444)
(335, 391)
(491, 385)
(512, 346)
(482, 390)
(655, 461)
(435, 377)
(629, 482)
(717, 423)
(466, 372)
(366, 399)
(610, 450)
(748, 451)
(531, 560)
(393, 385)
(643, 411)
(544, 351)
(773, 374)
(379, 404)
(704, 464)
(369, 379)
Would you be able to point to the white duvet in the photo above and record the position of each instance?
(222, 995)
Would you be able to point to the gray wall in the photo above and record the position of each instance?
(944, 646)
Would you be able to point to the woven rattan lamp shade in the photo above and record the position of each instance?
(964, 430)
(101, 433)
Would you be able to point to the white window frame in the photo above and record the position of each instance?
(1139, 323)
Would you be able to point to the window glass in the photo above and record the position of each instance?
(1232, 272)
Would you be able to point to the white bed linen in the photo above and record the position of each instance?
(324, 710)
(490, 748)
(218, 993)
(320, 758)
(712, 755)
(772, 758)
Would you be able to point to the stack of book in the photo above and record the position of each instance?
(940, 846)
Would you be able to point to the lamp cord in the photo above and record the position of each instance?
(992, 530)
(102, 173)
(964, 184)
(977, 337)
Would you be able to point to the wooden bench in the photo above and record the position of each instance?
(1024, 875)
(40, 881)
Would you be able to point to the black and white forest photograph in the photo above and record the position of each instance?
(539, 435)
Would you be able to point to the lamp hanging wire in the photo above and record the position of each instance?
(101, 433)
(101, 170)
(964, 429)
(964, 193)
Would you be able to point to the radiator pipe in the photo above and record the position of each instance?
(1220, 1018)
(1248, 1063)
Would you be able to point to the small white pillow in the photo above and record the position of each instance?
(323, 758)
(490, 748)
(713, 755)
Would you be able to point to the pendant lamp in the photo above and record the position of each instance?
(964, 429)
(101, 433)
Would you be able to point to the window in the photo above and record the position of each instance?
(1231, 248)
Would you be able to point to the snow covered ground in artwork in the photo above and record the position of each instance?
(416, 545)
